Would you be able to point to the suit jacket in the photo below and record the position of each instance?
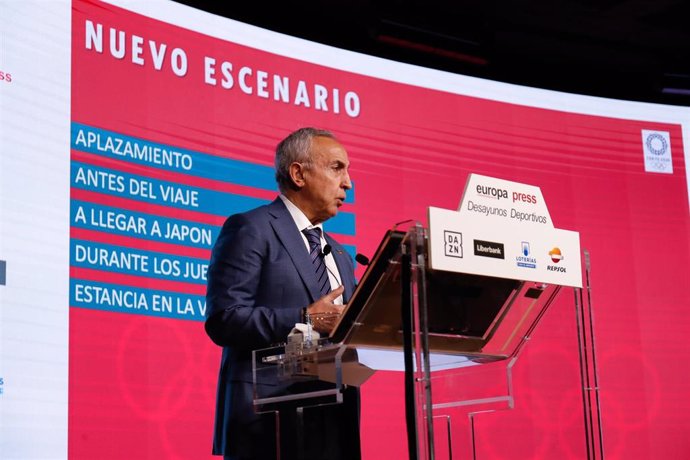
(260, 277)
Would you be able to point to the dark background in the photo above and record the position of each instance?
(625, 49)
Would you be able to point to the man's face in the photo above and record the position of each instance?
(326, 181)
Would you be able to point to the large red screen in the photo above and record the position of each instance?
(173, 130)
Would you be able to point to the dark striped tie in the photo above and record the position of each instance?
(317, 259)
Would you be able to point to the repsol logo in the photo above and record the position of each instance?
(554, 268)
(492, 192)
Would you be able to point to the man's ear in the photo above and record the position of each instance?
(297, 174)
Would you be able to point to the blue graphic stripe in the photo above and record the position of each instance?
(165, 193)
(124, 299)
(140, 151)
(117, 259)
(343, 223)
(116, 221)
(121, 147)
(140, 225)
(138, 188)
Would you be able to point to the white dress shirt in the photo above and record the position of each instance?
(302, 222)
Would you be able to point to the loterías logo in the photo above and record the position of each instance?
(5, 77)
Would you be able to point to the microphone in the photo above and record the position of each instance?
(362, 259)
(324, 252)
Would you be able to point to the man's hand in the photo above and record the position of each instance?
(324, 313)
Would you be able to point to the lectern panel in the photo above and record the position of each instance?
(480, 317)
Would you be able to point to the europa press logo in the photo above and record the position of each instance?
(5, 77)
(495, 193)
(556, 257)
(656, 146)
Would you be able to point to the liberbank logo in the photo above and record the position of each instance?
(489, 249)
(525, 259)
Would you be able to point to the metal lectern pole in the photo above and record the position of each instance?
(406, 315)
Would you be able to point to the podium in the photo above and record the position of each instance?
(456, 335)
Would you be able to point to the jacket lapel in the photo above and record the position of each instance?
(289, 236)
(341, 261)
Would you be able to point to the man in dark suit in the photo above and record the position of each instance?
(266, 274)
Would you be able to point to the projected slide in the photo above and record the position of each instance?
(169, 125)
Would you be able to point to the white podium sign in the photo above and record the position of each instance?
(503, 229)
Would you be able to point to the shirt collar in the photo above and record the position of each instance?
(301, 220)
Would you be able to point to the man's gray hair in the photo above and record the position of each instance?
(295, 148)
